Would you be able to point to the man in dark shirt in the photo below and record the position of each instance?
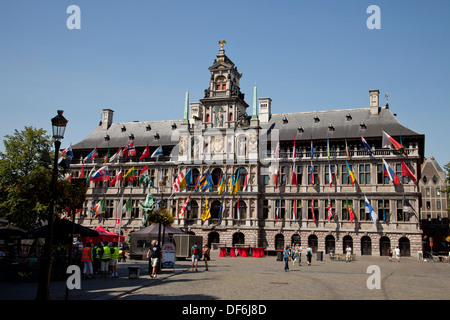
(153, 255)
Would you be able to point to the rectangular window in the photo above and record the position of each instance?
(438, 204)
(364, 174)
(265, 209)
(333, 209)
(363, 216)
(438, 192)
(327, 175)
(296, 206)
(381, 179)
(299, 174)
(316, 174)
(283, 173)
(316, 210)
(383, 210)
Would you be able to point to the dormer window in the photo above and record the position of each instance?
(348, 117)
(316, 119)
(148, 127)
(123, 128)
(331, 127)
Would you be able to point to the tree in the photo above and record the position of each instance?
(25, 178)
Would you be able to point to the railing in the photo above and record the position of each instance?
(306, 155)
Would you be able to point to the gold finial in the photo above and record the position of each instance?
(222, 42)
(387, 96)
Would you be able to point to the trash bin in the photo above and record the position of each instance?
(279, 255)
(319, 255)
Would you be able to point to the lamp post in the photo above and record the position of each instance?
(58, 127)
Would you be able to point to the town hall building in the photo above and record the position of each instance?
(340, 158)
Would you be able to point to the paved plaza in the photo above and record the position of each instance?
(250, 278)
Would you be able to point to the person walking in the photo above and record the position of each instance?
(96, 258)
(86, 258)
(206, 255)
(195, 250)
(286, 254)
(153, 255)
(397, 253)
(390, 254)
(309, 254)
(348, 254)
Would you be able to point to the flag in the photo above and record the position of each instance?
(158, 152)
(244, 188)
(367, 147)
(146, 153)
(183, 180)
(143, 174)
(408, 208)
(186, 205)
(388, 172)
(116, 156)
(330, 174)
(205, 181)
(312, 149)
(232, 183)
(350, 174)
(99, 207)
(91, 209)
(81, 175)
(107, 156)
(328, 147)
(129, 205)
(129, 150)
(220, 211)
(118, 177)
(384, 212)
(346, 148)
(407, 172)
(276, 212)
(130, 175)
(369, 210)
(237, 187)
(294, 173)
(89, 176)
(277, 165)
(68, 152)
(206, 214)
(330, 210)
(311, 174)
(388, 142)
(350, 212)
(101, 174)
(294, 210)
(238, 211)
(312, 209)
(92, 155)
(221, 188)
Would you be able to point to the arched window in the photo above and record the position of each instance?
(404, 245)
(216, 175)
(221, 83)
(313, 242)
(240, 210)
(385, 244)
(213, 237)
(216, 209)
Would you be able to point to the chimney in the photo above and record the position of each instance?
(107, 119)
(374, 101)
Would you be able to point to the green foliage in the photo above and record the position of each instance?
(26, 179)
(162, 216)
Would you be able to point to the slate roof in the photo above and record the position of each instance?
(343, 128)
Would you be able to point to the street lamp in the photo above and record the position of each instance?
(58, 127)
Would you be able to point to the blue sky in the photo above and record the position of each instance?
(139, 57)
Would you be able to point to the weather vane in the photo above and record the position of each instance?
(222, 42)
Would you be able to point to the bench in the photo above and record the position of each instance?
(134, 272)
(342, 257)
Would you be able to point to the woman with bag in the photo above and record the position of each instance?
(287, 253)
(309, 254)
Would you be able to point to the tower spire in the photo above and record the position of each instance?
(186, 108)
(255, 104)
